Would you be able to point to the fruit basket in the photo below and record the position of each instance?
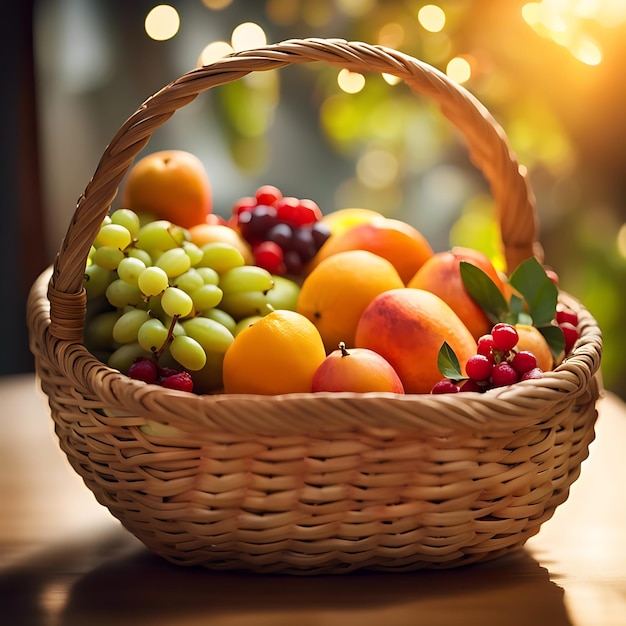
(316, 483)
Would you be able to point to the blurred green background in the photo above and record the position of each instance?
(551, 72)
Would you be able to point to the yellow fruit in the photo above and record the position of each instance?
(343, 219)
(277, 354)
(532, 340)
(336, 292)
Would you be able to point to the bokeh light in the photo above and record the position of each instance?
(350, 82)
(248, 35)
(432, 18)
(162, 22)
(216, 5)
(459, 70)
(214, 51)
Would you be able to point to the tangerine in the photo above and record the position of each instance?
(277, 354)
(336, 292)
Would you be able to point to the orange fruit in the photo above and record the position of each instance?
(277, 354)
(408, 327)
(336, 292)
(441, 275)
(398, 242)
(358, 370)
(531, 339)
(171, 185)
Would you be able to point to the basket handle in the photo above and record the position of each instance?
(488, 147)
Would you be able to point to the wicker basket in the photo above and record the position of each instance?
(324, 483)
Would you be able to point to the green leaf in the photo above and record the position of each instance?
(448, 363)
(538, 291)
(484, 291)
(555, 338)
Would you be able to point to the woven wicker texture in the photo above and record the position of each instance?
(324, 483)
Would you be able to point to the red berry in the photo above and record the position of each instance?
(269, 256)
(286, 207)
(243, 204)
(444, 386)
(478, 367)
(571, 335)
(566, 315)
(181, 381)
(143, 369)
(505, 336)
(503, 374)
(308, 212)
(472, 385)
(485, 345)
(532, 374)
(524, 361)
(268, 195)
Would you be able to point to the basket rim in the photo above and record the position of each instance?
(512, 407)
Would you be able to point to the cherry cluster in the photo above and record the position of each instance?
(496, 363)
(567, 321)
(284, 232)
(149, 371)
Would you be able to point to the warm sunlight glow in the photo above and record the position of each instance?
(162, 22)
(377, 169)
(391, 35)
(432, 18)
(459, 70)
(350, 82)
(621, 240)
(215, 51)
(247, 36)
(216, 5)
(566, 22)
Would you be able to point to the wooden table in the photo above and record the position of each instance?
(65, 560)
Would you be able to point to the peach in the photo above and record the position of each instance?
(202, 234)
(358, 370)
(398, 242)
(441, 275)
(171, 185)
(407, 327)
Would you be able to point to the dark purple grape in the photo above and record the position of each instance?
(293, 262)
(254, 223)
(320, 233)
(282, 234)
(302, 242)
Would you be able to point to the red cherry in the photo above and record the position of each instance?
(532, 374)
(503, 374)
(571, 335)
(564, 314)
(243, 204)
(269, 255)
(143, 369)
(472, 385)
(478, 367)
(524, 361)
(485, 346)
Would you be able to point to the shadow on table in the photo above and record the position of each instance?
(112, 579)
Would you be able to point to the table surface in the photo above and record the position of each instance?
(65, 560)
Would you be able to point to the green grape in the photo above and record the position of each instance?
(188, 352)
(107, 257)
(125, 356)
(222, 317)
(245, 304)
(96, 281)
(127, 326)
(189, 281)
(120, 294)
(174, 262)
(245, 279)
(152, 281)
(130, 268)
(98, 333)
(209, 275)
(206, 297)
(221, 256)
(244, 323)
(127, 218)
(176, 302)
(160, 235)
(211, 335)
(178, 328)
(155, 308)
(113, 236)
(194, 253)
(152, 335)
(284, 294)
(142, 255)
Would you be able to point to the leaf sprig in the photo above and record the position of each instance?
(533, 299)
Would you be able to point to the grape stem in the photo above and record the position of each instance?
(170, 337)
